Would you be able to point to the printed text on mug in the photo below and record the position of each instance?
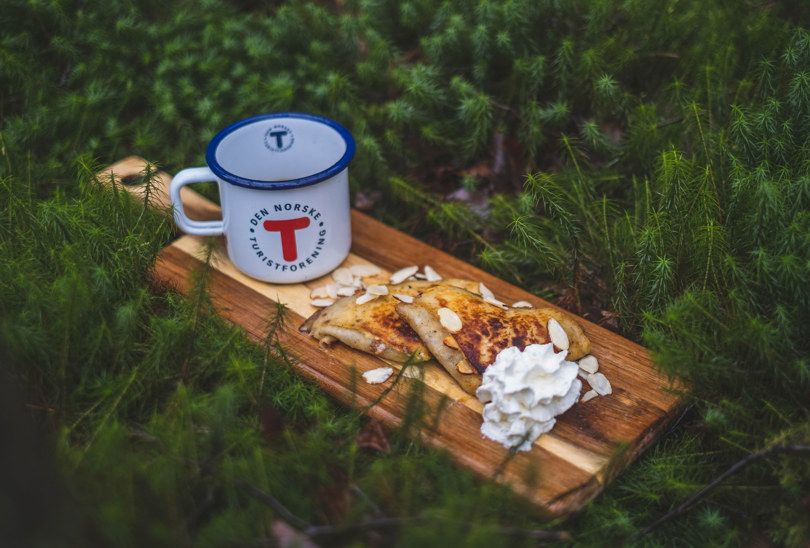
(295, 235)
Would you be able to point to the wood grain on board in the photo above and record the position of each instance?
(590, 444)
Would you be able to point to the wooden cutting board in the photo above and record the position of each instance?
(567, 467)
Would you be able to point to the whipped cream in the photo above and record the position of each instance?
(525, 391)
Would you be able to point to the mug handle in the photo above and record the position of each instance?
(197, 228)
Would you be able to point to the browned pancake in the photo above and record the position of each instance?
(374, 326)
(486, 329)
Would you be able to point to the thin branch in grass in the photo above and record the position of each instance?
(110, 411)
(736, 467)
(508, 109)
(670, 121)
(324, 532)
(271, 501)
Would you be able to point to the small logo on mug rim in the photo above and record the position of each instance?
(279, 138)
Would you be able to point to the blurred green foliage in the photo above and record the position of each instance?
(648, 159)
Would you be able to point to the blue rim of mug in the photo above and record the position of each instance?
(334, 169)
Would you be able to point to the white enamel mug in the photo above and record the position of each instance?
(284, 191)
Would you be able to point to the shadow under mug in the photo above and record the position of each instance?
(284, 191)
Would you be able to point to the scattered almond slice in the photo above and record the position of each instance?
(486, 292)
(365, 270)
(450, 341)
(464, 368)
(377, 346)
(589, 395)
(404, 298)
(449, 320)
(319, 292)
(522, 304)
(403, 274)
(557, 334)
(420, 276)
(343, 276)
(321, 303)
(332, 290)
(496, 302)
(431, 275)
(379, 375)
(347, 291)
(365, 297)
(600, 383)
(413, 372)
(377, 289)
(589, 364)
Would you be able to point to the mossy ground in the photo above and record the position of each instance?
(642, 162)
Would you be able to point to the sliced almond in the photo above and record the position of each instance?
(463, 367)
(365, 297)
(343, 276)
(496, 302)
(589, 395)
(486, 293)
(449, 320)
(321, 303)
(522, 304)
(559, 337)
(332, 290)
(379, 375)
(347, 291)
(450, 341)
(589, 364)
(319, 292)
(365, 270)
(413, 372)
(600, 383)
(377, 346)
(431, 275)
(377, 289)
(404, 298)
(403, 274)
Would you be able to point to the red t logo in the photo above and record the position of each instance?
(287, 228)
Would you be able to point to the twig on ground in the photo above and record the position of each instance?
(508, 109)
(316, 532)
(274, 503)
(683, 507)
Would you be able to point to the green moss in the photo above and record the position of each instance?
(645, 159)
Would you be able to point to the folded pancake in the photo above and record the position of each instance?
(374, 326)
(485, 330)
